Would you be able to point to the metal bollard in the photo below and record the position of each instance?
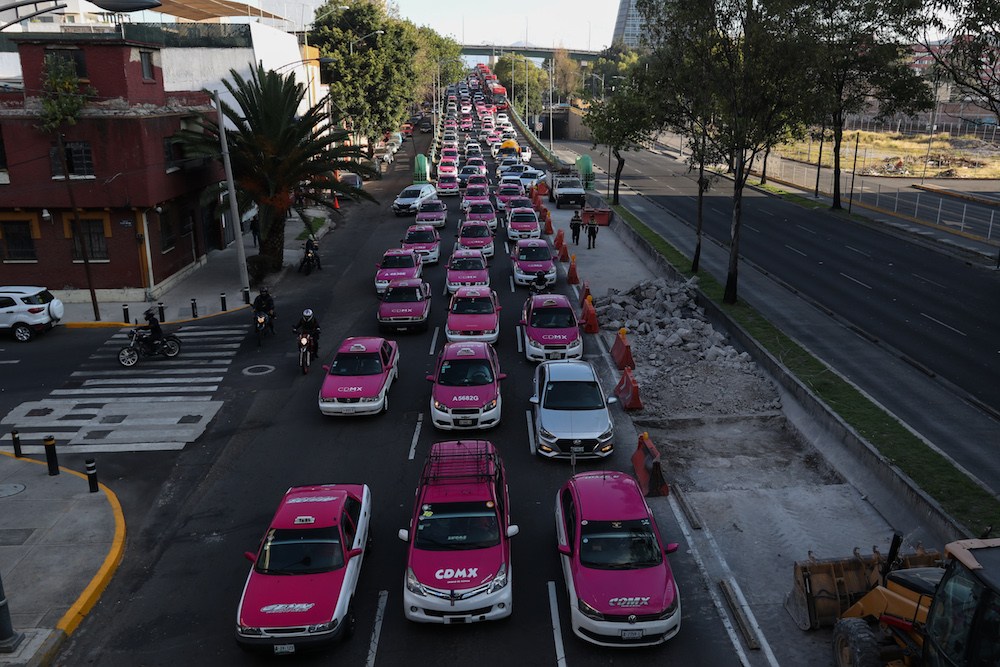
(194, 307)
(9, 640)
(92, 474)
(159, 306)
(246, 295)
(125, 317)
(51, 458)
(222, 297)
(15, 439)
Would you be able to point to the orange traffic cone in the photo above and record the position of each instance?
(584, 293)
(589, 316)
(548, 220)
(571, 276)
(336, 203)
(560, 240)
(563, 252)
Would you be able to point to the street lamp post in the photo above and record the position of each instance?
(361, 39)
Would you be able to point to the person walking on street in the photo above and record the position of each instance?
(574, 225)
(255, 230)
(592, 233)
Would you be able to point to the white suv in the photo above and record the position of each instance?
(26, 310)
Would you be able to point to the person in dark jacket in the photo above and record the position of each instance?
(155, 330)
(592, 233)
(574, 225)
(308, 324)
(264, 303)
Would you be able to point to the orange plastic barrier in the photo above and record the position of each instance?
(601, 215)
(627, 391)
(589, 317)
(560, 239)
(648, 471)
(571, 277)
(563, 250)
(584, 292)
(621, 351)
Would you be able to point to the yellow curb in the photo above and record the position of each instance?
(122, 325)
(92, 593)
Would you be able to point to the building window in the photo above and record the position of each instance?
(173, 154)
(92, 233)
(168, 232)
(3, 154)
(146, 58)
(17, 242)
(74, 56)
(79, 159)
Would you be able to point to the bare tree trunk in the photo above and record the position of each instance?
(838, 138)
(618, 173)
(732, 277)
(763, 171)
(702, 188)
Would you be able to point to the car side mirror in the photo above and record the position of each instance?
(565, 550)
(404, 534)
(250, 556)
(501, 376)
(326, 368)
(522, 321)
(533, 400)
(354, 553)
(429, 378)
(513, 530)
(671, 548)
(612, 399)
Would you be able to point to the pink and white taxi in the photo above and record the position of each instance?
(447, 185)
(358, 380)
(477, 162)
(551, 330)
(397, 264)
(425, 240)
(620, 587)
(528, 257)
(506, 192)
(476, 181)
(298, 594)
(475, 235)
(458, 567)
(474, 314)
(475, 194)
(483, 212)
(432, 212)
(466, 393)
(405, 305)
(522, 223)
(447, 167)
(467, 268)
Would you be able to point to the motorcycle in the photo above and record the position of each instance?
(140, 345)
(262, 325)
(308, 261)
(307, 350)
(535, 287)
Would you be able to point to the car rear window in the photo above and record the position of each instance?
(39, 299)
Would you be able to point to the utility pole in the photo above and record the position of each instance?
(234, 209)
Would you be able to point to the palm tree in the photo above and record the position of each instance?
(281, 161)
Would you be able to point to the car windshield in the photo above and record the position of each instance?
(477, 191)
(397, 262)
(475, 231)
(403, 295)
(619, 545)
(467, 264)
(553, 318)
(510, 189)
(573, 395)
(410, 193)
(570, 183)
(433, 207)
(420, 236)
(533, 254)
(300, 551)
(465, 373)
(457, 526)
(447, 180)
(476, 305)
(467, 169)
(523, 217)
(481, 209)
(520, 202)
(352, 363)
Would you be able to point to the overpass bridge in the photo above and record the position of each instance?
(494, 51)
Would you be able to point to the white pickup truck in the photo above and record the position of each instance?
(567, 189)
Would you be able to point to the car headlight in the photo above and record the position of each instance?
(450, 332)
(438, 405)
(322, 627)
(672, 609)
(489, 406)
(248, 630)
(324, 399)
(589, 611)
(368, 399)
(500, 580)
(412, 584)
(546, 434)
(606, 435)
(575, 343)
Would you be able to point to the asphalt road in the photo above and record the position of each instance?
(194, 513)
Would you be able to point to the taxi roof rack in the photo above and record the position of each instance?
(476, 464)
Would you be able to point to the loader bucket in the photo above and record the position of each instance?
(824, 589)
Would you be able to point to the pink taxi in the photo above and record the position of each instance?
(447, 185)
(358, 380)
(406, 305)
(522, 223)
(299, 592)
(483, 212)
(449, 154)
(620, 586)
(467, 268)
(458, 566)
(520, 202)
(473, 314)
(477, 181)
(425, 241)
(551, 330)
(447, 167)
(475, 235)
(506, 192)
(466, 393)
(397, 264)
(475, 194)
(432, 212)
(528, 257)
(477, 162)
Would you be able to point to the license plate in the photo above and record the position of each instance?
(556, 355)
(631, 634)
(284, 649)
(576, 450)
(464, 422)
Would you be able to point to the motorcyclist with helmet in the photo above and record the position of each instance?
(308, 324)
(540, 283)
(311, 246)
(155, 330)
(264, 303)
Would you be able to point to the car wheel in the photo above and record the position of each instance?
(22, 332)
(349, 622)
(385, 403)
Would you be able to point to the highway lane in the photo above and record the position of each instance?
(175, 598)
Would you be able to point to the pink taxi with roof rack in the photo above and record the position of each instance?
(467, 268)
(405, 305)
(522, 223)
(551, 329)
(299, 592)
(359, 378)
(620, 586)
(475, 235)
(466, 392)
(458, 567)
(397, 264)
(474, 315)
(425, 241)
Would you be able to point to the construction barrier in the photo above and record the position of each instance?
(649, 474)
(563, 251)
(627, 391)
(542, 188)
(601, 215)
(547, 217)
(589, 317)
(571, 277)
(584, 292)
(621, 351)
(560, 239)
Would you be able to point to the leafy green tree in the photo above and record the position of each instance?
(435, 52)
(566, 73)
(513, 72)
(278, 154)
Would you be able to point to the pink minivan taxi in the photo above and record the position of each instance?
(620, 586)
(358, 380)
(551, 330)
(473, 315)
(466, 392)
(467, 268)
(397, 264)
(458, 567)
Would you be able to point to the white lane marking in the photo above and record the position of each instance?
(856, 280)
(416, 436)
(556, 625)
(767, 212)
(377, 630)
(511, 278)
(146, 372)
(928, 280)
(860, 252)
(149, 390)
(517, 335)
(126, 381)
(806, 229)
(715, 210)
(795, 250)
(671, 187)
(445, 292)
(935, 321)
(434, 340)
(10, 361)
(751, 228)
(531, 432)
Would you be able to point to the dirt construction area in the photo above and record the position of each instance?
(755, 494)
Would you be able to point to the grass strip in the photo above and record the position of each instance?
(313, 225)
(961, 497)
